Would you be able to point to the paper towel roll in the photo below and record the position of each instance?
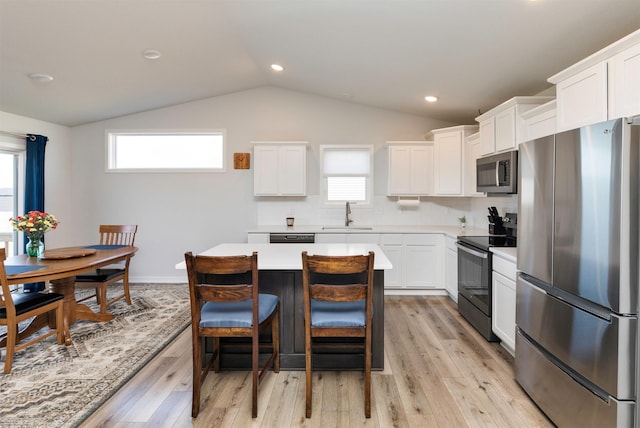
(408, 202)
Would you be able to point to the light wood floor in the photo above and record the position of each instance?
(439, 372)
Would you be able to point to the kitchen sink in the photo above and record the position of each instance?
(347, 228)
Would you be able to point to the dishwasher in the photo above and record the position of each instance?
(292, 238)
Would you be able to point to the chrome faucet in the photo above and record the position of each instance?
(347, 211)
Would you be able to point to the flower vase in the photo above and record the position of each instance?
(35, 247)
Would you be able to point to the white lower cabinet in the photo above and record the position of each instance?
(451, 280)
(392, 247)
(418, 261)
(503, 317)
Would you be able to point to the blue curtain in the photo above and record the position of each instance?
(34, 185)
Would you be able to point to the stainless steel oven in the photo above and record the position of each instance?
(474, 279)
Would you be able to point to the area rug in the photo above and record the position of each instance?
(53, 385)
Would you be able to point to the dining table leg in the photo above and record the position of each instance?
(66, 287)
(72, 309)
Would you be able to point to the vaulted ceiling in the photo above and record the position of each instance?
(472, 54)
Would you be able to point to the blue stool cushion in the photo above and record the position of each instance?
(236, 314)
(338, 314)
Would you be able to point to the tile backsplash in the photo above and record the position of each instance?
(384, 211)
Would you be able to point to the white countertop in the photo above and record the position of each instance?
(507, 253)
(289, 256)
(453, 231)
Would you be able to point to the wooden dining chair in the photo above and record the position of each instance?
(101, 279)
(338, 293)
(18, 307)
(225, 302)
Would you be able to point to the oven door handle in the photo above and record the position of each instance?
(473, 252)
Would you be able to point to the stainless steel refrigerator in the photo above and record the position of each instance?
(577, 286)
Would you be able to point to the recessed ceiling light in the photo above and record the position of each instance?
(151, 54)
(40, 77)
(277, 67)
(431, 99)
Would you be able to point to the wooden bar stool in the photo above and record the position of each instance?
(338, 293)
(225, 303)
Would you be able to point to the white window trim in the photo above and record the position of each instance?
(108, 147)
(369, 190)
(17, 147)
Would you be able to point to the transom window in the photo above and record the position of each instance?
(347, 173)
(166, 151)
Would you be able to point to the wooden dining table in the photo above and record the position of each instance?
(60, 267)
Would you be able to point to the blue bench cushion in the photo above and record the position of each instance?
(236, 314)
(338, 314)
(25, 302)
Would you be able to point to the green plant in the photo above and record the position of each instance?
(462, 219)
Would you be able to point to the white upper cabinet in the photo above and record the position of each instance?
(410, 168)
(448, 158)
(487, 135)
(502, 128)
(471, 154)
(582, 98)
(624, 83)
(540, 121)
(603, 86)
(279, 168)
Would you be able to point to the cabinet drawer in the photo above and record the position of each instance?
(504, 267)
(421, 239)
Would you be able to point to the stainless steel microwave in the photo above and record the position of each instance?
(498, 173)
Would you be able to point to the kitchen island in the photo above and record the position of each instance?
(280, 273)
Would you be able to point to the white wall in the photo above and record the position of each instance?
(193, 211)
(58, 198)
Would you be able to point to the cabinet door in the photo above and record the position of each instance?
(411, 170)
(505, 129)
(447, 163)
(393, 277)
(471, 154)
(292, 171)
(421, 170)
(420, 266)
(582, 98)
(423, 260)
(451, 281)
(624, 83)
(399, 170)
(487, 137)
(540, 125)
(503, 321)
(265, 170)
